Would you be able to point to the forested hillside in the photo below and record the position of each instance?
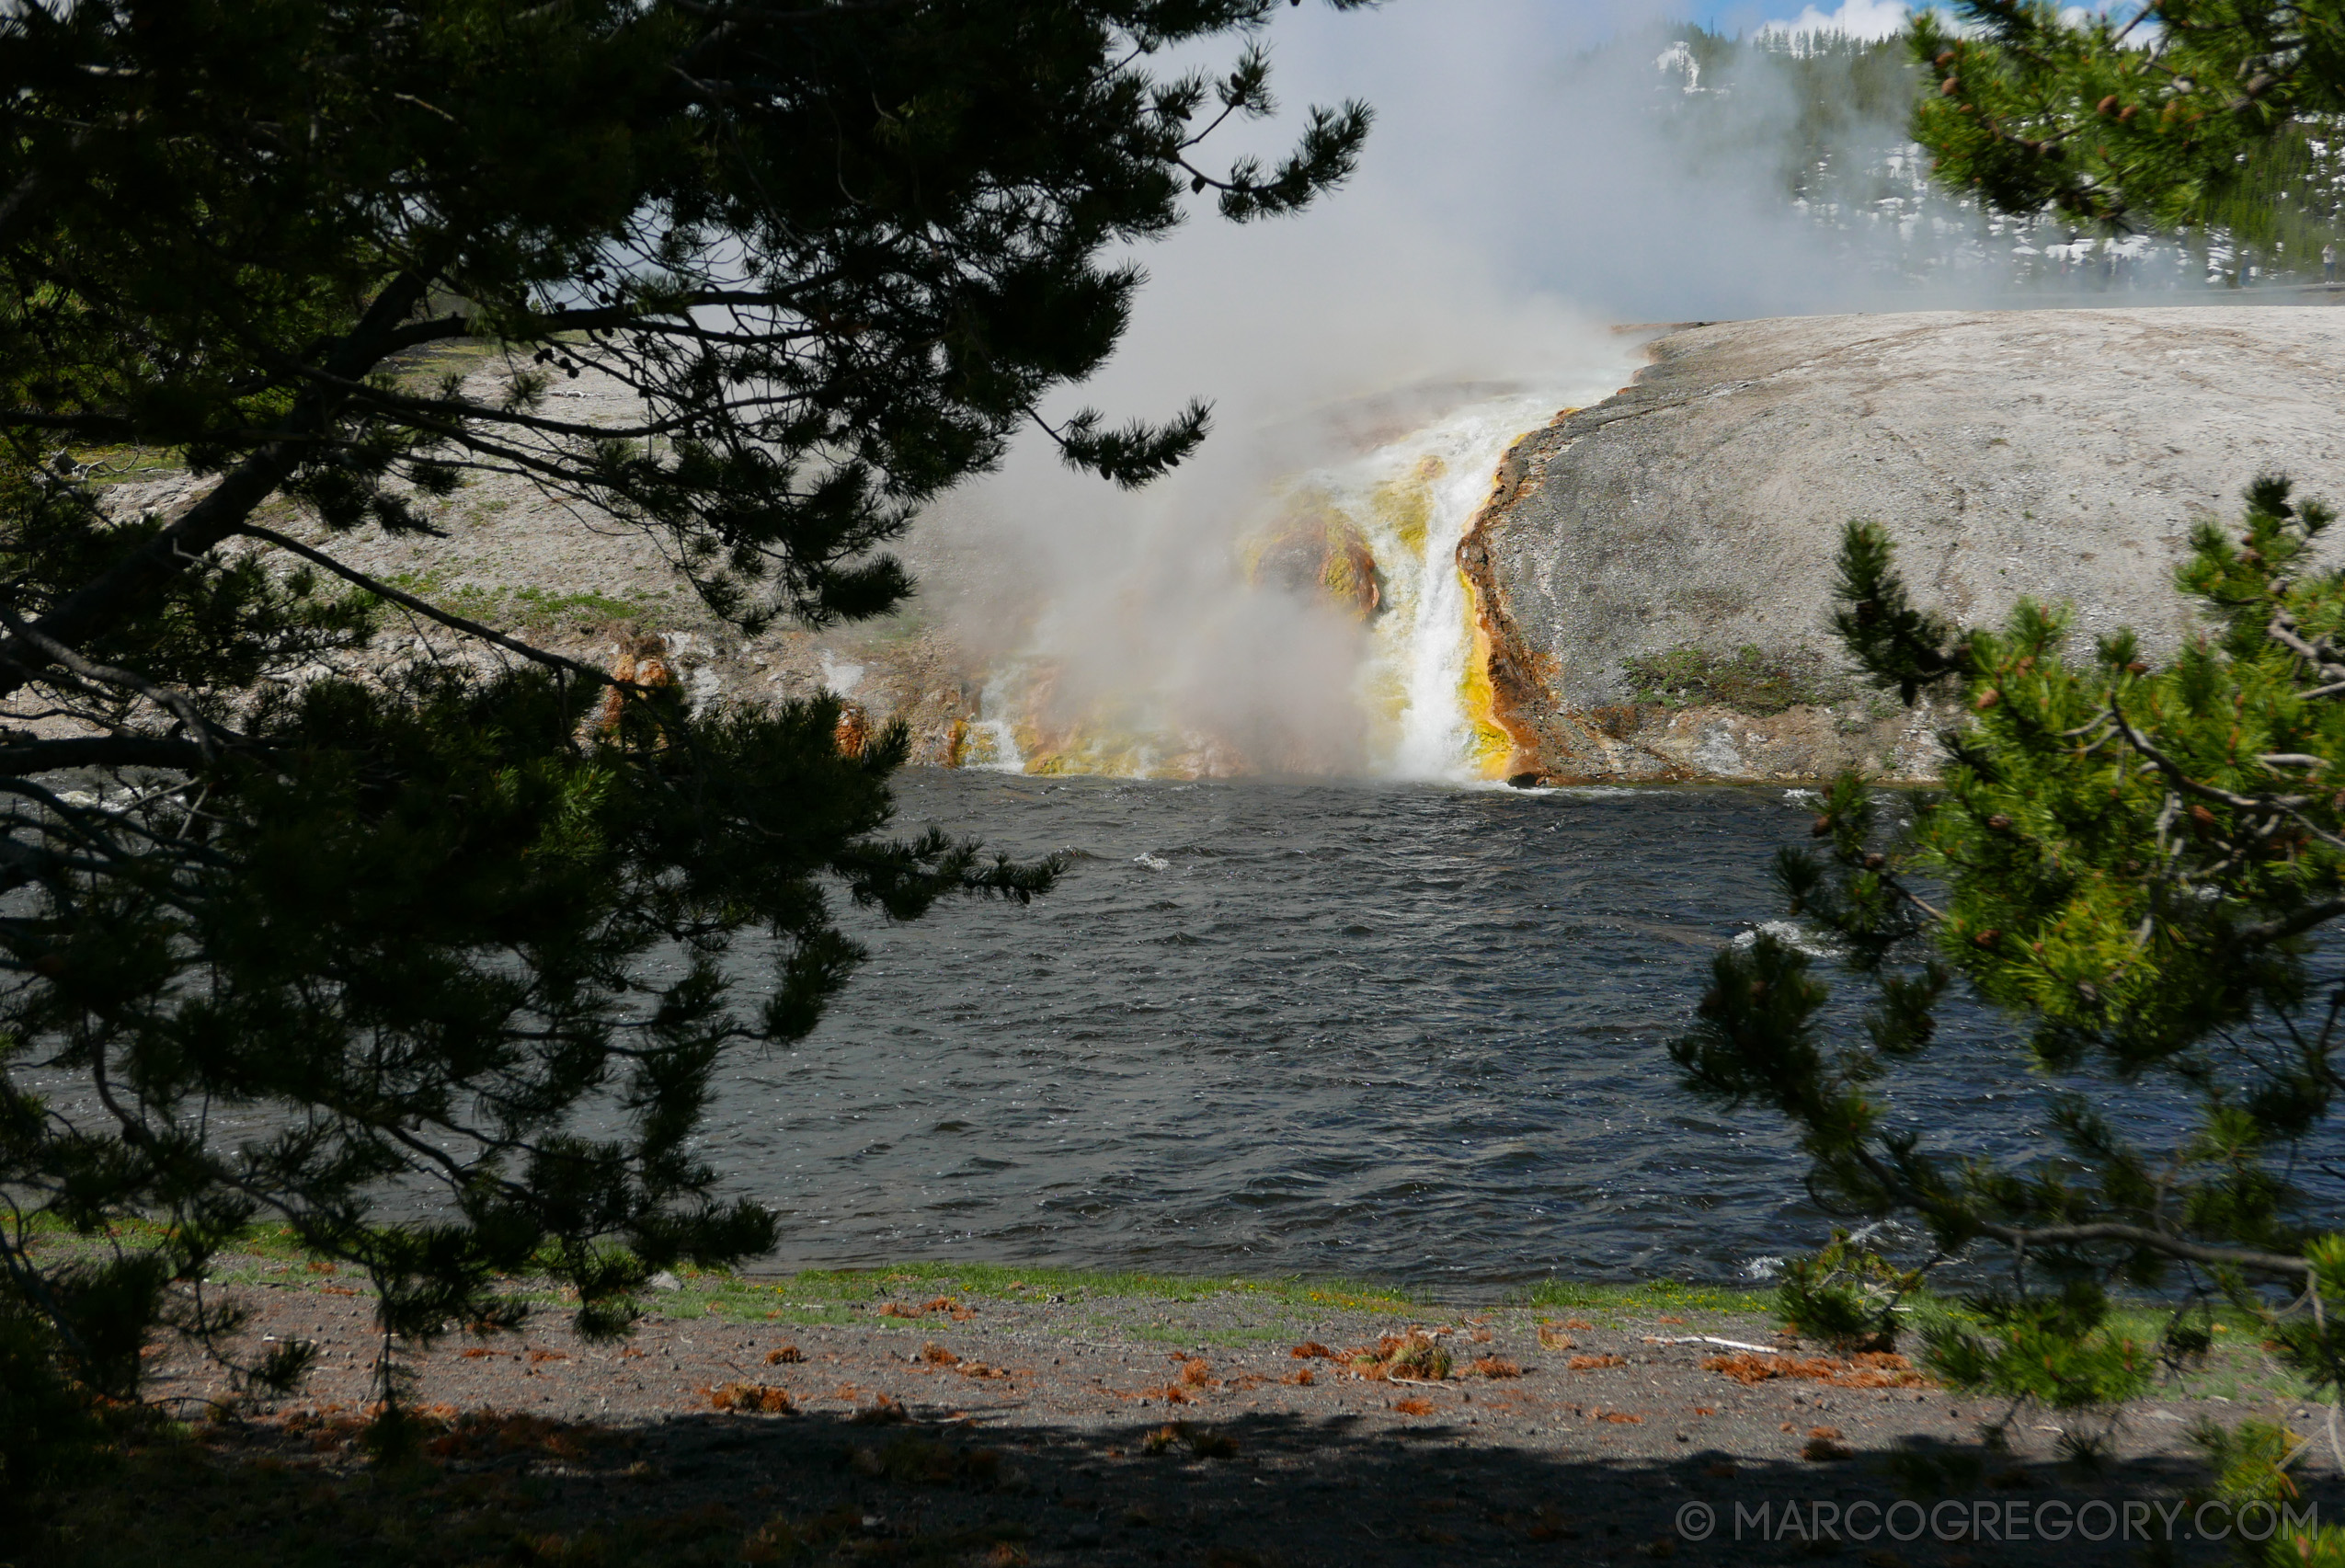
(1821, 118)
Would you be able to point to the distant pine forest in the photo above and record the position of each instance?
(1823, 117)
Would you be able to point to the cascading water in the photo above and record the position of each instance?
(1424, 685)
(1372, 537)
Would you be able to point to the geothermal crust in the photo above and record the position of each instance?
(2058, 455)
(1653, 573)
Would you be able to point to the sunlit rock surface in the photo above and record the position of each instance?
(2063, 455)
(1649, 580)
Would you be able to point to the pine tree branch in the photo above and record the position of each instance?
(2023, 1236)
(2153, 1240)
(56, 653)
(111, 427)
(619, 319)
(423, 607)
(101, 751)
(28, 1279)
(24, 199)
(2271, 806)
(2295, 924)
(121, 587)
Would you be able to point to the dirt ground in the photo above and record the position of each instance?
(1018, 1425)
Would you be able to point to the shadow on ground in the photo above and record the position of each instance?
(1255, 1490)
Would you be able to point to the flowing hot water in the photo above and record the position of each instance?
(1425, 684)
(1371, 538)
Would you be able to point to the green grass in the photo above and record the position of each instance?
(123, 465)
(1660, 1295)
(1748, 680)
(830, 1290)
(421, 371)
(2236, 1369)
(508, 608)
(842, 1295)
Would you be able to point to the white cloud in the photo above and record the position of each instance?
(1857, 19)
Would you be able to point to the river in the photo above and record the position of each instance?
(1408, 1031)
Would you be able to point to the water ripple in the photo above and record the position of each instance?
(1400, 1030)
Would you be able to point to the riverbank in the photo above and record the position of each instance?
(946, 1413)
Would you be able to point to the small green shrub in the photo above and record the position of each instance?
(1747, 679)
(1847, 1296)
(2252, 1462)
(2056, 1351)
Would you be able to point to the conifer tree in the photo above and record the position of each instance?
(316, 941)
(2140, 861)
(2154, 115)
(2143, 861)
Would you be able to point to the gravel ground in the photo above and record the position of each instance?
(1143, 1429)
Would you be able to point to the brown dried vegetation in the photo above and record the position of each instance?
(923, 1462)
(1202, 1441)
(752, 1396)
(945, 1305)
(1415, 1354)
(483, 1433)
(1867, 1369)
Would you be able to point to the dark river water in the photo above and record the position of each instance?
(1400, 1031)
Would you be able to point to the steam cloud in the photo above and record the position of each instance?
(1520, 194)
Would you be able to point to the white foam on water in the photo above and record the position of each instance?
(1792, 935)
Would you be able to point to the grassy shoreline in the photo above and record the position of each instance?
(1066, 1446)
(267, 1254)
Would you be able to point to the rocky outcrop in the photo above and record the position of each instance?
(578, 584)
(1690, 521)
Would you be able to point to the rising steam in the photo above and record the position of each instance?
(1525, 190)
